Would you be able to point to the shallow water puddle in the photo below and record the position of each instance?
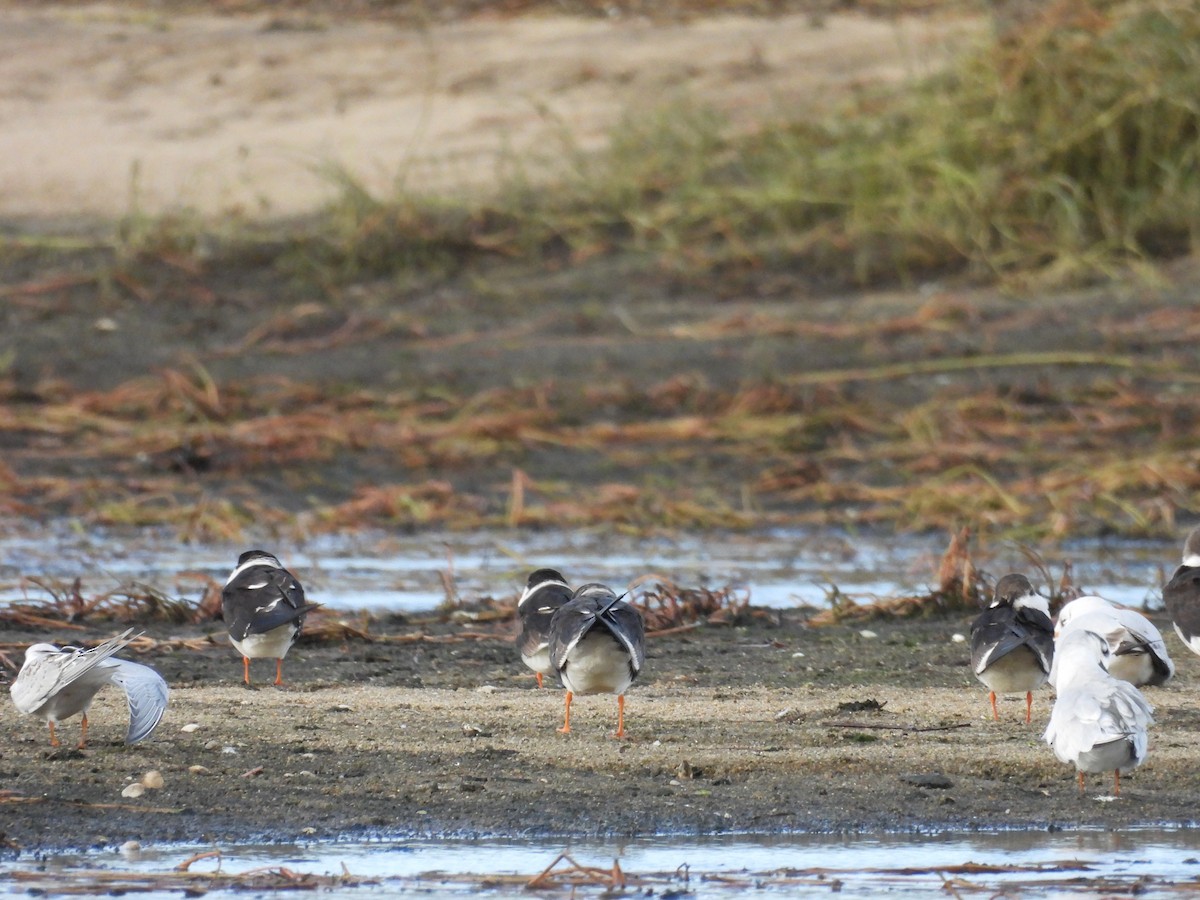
(1148, 862)
(379, 571)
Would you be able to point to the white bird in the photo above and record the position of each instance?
(58, 682)
(1139, 653)
(1098, 722)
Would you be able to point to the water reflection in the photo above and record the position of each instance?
(1152, 862)
(373, 570)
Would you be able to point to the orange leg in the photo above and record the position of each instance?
(995, 712)
(539, 678)
(566, 729)
(620, 732)
(1081, 784)
(83, 732)
(1028, 707)
(1117, 782)
(54, 741)
(246, 669)
(278, 672)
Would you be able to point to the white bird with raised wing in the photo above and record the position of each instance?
(59, 682)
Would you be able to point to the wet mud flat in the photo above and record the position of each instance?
(769, 727)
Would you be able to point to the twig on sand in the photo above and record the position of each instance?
(881, 727)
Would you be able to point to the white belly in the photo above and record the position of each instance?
(1108, 757)
(1136, 668)
(597, 665)
(539, 660)
(273, 644)
(1018, 671)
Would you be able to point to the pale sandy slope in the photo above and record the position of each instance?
(222, 114)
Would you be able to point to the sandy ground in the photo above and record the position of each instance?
(755, 728)
(107, 109)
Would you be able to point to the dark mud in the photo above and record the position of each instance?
(767, 727)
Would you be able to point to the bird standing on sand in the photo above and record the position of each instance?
(58, 682)
(1139, 653)
(1012, 642)
(545, 591)
(264, 609)
(1098, 722)
(1182, 594)
(597, 646)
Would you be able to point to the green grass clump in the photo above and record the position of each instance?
(1066, 147)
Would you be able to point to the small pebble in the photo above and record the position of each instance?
(958, 638)
(190, 727)
(867, 633)
(797, 655)
(134, 790)
(487, 689)
(197, 770)
(130, 848)
(229, 749)
(153, 780)
(212, 745)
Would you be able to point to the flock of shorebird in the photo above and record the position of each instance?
(1096, 656)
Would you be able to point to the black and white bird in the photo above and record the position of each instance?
(1182, 594)
(1139, 653)
(597, 646)
(264, 609)
(1098, 722)
(58, 682)
(545, 591)
(1012, 642)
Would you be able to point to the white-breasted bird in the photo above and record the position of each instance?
(1098, 722)
(597, 646)
(58, 682)
(264, 609)
(545, 591)
(1012, 642)
(1139, 653)
(1182, 594)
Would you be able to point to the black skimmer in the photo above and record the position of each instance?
(1098, 722)
(1182, 594)
(1139, 653)
(264, 609)
(58, 682)
(545, 591)
(1012, 642)
(597, 646)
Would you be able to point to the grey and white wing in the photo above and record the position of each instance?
(146, 692)
(1076, 723)
(38, 681)
(1143, 631)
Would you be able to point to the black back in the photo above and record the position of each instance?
(262, 598)
(1182, 598)
(545, 591)
(595, 607)
(1002, 627)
